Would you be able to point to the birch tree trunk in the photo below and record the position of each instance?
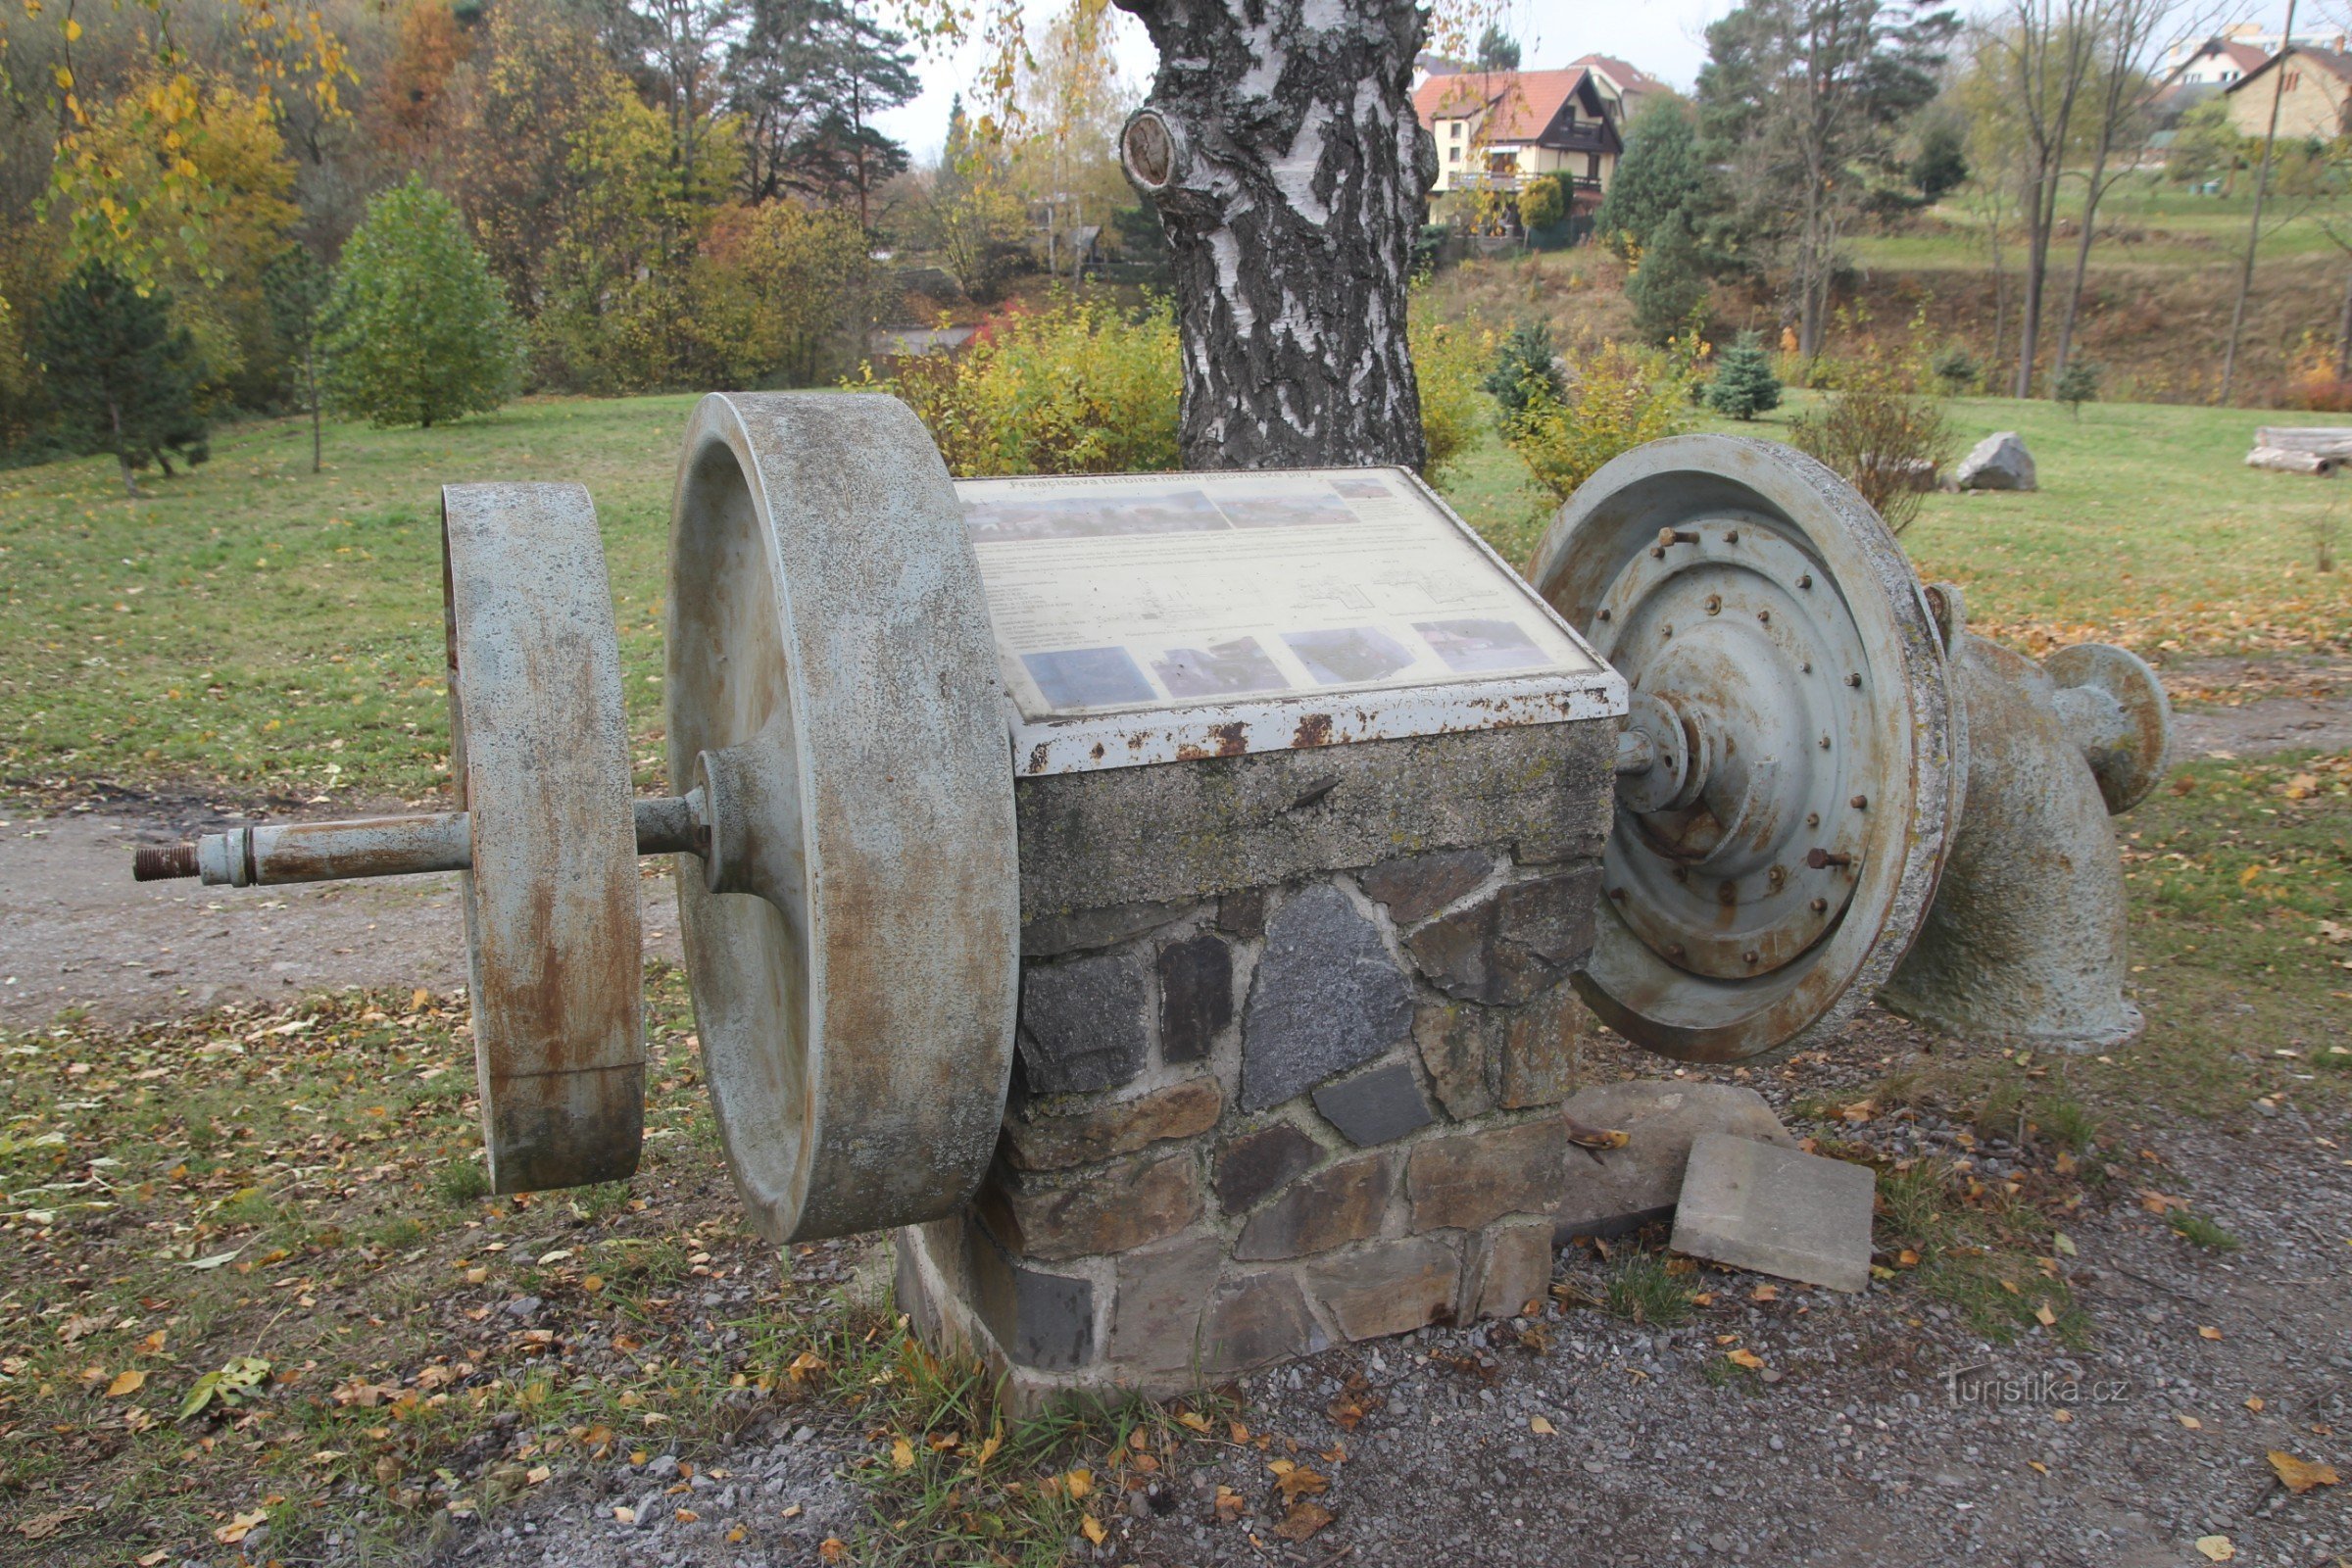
(1292, 176)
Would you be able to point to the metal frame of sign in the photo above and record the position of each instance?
(1177, 732)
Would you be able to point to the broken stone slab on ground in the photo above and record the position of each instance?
(1610, 1191)
(1777, 1211)
(1999, 461)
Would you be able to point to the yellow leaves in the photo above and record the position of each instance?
(1194, 1421)
(1744, 1357)
(2192, 1423)
(63, 76)
(2299, 1476)
(1540, 1426)
(1229, 1505)
(1094, 1529)
(2208, 1332)
(126, 1384)
(988, 1450)
(1293, 1480)
(2254, 1403)
(71, 30)
(1078, 1483)
(2245, 878)
(2043, 1315)
(2216, 1548)
(834, 1549)
(239, 1527)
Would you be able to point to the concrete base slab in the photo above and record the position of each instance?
(1610, 1191)
(1777, 1211)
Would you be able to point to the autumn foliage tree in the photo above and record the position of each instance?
(418, 331)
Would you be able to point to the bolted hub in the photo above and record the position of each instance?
(1737, 662)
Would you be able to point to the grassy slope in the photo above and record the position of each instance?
(268, 629)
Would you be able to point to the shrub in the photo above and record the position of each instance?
(1446, 360)
(1880, 431)
(1540, 204)
(1527, 370)
(1618, 399)
(1668, 288)
(416, 329)
(1073, 388)
(1955, 369)
(1744, 385)
(122, 377)
(2078, 384)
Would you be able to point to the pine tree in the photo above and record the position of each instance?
(1744, 385)
(295, 287)
(416, 330)
(1527, 370)
(1660, 175)
(1668, 285)
(123, 378)
(2078, 384)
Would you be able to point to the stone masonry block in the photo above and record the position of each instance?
(1376, 1106)
(1082, 1023)
(1251, 1166)
(1539, 1050)
(1110, 1210)
(1777, 1211)
(1512, 1267)
(1326, 998)
(1456, 1041)
(1518, 941)
(1332, 1208)
(1470, 1180)
(1420, 885)
(1196, 996)
(1388, 1287)
(1257, 1318)
(1156, 1316)
(1083, 930)
(1036, 1140)
(1038, 1319)
(1618, 1190)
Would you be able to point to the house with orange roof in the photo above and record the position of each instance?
(1629, 86)
(1496, 128)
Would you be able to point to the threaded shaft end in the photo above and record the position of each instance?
(162, 862)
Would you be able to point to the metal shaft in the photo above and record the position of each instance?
(381, 845)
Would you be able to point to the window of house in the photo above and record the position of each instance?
(1457, 130)
(1453, 155)
(2294, 79)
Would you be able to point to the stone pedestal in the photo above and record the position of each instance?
(1294, 1029)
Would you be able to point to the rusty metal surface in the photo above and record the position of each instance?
(1769, 869)
(832, 683)
(2116, 708)
(2026, 942)
(539, 750)
(327, 852)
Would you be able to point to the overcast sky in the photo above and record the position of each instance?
(1664, 37)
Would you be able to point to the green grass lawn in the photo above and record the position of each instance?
(257, 627)
(2145, 220)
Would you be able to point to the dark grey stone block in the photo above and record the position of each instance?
(1517, 942)
(1250, 1167)
(1420, 885)
(1195, 996)
(1376, 1106)
(1082, 1023)
(1326, 998)
(1045, 1321)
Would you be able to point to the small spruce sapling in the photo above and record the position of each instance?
(1744, 385)
(2078, 384)
(1527, 370)
(122, 377)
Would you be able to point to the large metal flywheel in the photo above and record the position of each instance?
(1791, 768)
(852, 928)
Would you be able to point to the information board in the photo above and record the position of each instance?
(1149, 618)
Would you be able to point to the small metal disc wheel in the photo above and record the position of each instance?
(853, 929)
(539, 751)
(1777, 842)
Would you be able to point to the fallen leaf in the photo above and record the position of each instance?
(1079, 1482)
(988, 1450)
(151, 1559)
(2301, 1475)
(902, 1453)
(1540, 1426)
(834, 1549)
(1094, 1529)
(1765, 1293)
(2254, 1403)
(2064, 1243)
(1193, 1420)
(1747, 1358)
(2192, 1423)
(1236, 1432)
(1229, 1505)
(538, 1475)
(1293, 1480)
(2037, 1467)
(2216, 1548)
(2062, 1416)
(2043, 1315)
(1308, 1517)
(687, 1516)
(1585, 1136)
(2208, 1332)
(737, 1536)
(126, 1383)
(239, 1527)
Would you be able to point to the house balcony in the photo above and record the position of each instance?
(1506, 181)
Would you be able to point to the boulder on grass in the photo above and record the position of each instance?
(1999, 461)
